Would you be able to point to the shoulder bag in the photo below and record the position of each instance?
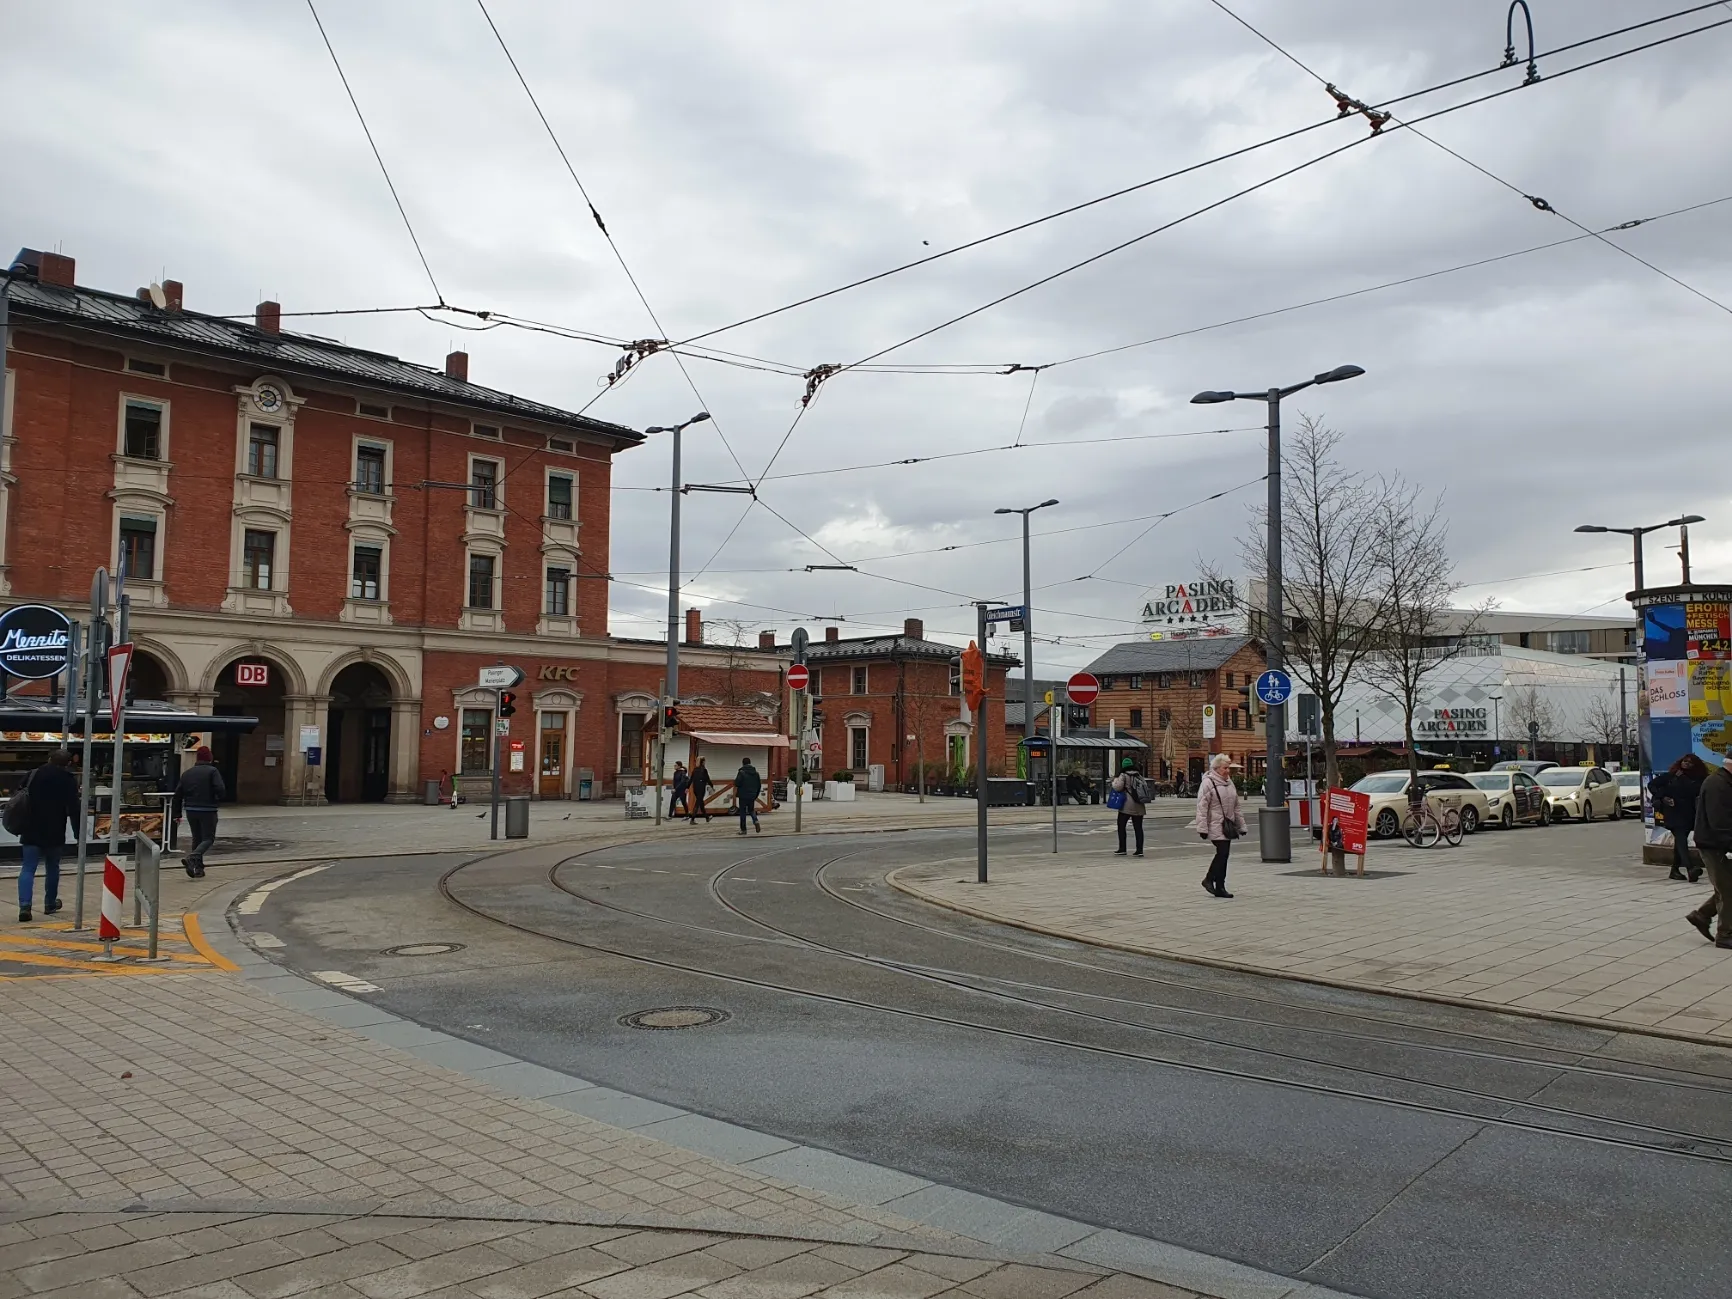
(1229, 827)
(16, 814)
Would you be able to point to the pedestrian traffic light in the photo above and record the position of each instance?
(670, 719)
(507, 703)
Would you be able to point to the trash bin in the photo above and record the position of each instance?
(430, 793)
(517, 817)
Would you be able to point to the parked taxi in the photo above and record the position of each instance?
(1512, 797)
(1443, 790)
(1581, 793)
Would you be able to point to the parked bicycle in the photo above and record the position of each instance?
(1423, 826)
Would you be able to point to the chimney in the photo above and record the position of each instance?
(55, 269)
(914, 629)
(172, 290)
(766, 640)
(457, 366)
(694, 627)
(268, 317)
(832, 635)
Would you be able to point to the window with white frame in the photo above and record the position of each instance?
(481, 570)
(142, 429)
(366, 573)
(859, 681)
(262, 445)
(138, 365)
(559, 496)
(857, 747)
(138, 546)
(475, 751)
(370, 468)
(483, 484)
(486, 431)
(372, 410)
(258, 558)
(558, 598)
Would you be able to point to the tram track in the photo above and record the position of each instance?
(1637, 1136)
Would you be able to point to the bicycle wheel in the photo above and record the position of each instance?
(1452, 828)
(1421, 829)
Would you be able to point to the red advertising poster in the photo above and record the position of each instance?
(1350, 813)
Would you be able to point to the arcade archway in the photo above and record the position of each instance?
(358, 736)
(253, 764)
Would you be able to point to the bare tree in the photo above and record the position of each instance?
(1417, 631)
(1602, 724)
(1532, 714)
(729, 638)
(921, 713)
(1328, 539)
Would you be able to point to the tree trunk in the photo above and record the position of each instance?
(920, 756)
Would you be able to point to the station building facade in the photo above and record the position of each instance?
(332, 540)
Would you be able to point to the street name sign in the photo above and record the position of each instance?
(1010, 613)
(502, 677)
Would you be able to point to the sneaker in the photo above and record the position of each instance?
(1702, 925)
(1675, 875)
(1222, 893)
(1137, 853)
(23, 915)
(755, 826)
(49, 908)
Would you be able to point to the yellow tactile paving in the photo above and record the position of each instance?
(54, 948)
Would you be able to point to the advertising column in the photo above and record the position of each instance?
(1684, 688)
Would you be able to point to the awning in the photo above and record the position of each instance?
(1092, 742)
(37, 714)
(743, 739)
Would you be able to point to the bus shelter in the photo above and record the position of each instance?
(1088, 759)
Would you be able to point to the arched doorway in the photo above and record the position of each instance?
(147, 677)
(252, 764)
(358, 736)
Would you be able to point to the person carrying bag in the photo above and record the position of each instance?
(1129, 797)
(1219, 820)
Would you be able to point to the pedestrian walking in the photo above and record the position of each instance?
(1133, 797)
(747, 785)
(682, 785)
(200, 791)
(699, 791)
(1675, 793)
(51, 800)
(1180, 786)
(1219, 820)
(1714, 842)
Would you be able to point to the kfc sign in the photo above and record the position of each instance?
(252, 674)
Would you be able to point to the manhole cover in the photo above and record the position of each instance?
(674, 1017)
(423, 949)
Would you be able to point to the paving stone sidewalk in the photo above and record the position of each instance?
(1563, 920)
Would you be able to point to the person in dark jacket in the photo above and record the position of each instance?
(702, 784)
(1714, 842)
(200, 791)
(52, 799)
(747, 785)
(682, 783)
(1675, 805)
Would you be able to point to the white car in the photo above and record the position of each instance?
(1581, 793)
(1512, 797)
(1443, 790)
(1629, 793)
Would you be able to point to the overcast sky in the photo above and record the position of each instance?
(745, 155)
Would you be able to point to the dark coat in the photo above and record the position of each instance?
(747, 785)
(1676, 800)
(201, 788)
(1714, 811)
(701, 780)
(53, 802)
(682, 781)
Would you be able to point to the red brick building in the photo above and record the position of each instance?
(367, 531)
(1156, 691)
(875, 691)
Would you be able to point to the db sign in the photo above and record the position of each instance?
(252, 674)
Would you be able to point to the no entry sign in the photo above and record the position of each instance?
(1083, 688)
(798, 676)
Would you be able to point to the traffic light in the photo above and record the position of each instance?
(1254, 707)
(507, 703)
(670, 719)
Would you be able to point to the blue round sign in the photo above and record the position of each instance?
(1274, 687)
(33, 641)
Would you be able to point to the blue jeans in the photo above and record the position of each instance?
(50, 857)
(747, 808)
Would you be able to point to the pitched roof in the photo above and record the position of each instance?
(1194, 654)
(113, 313)
(724, 717)
(859, 647)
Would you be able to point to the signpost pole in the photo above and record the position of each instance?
(493, 825)
(94, 658)
(117, 708)
(980, 764)
(1053, 727)
(1274, 836)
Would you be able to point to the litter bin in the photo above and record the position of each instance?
(517, 817)
(430, 793)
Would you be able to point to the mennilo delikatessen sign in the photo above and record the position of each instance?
(33, 641)
(1203, 600)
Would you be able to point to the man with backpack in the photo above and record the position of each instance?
(747, 786)
(200, 791)
(38, 814)
(1131, 795)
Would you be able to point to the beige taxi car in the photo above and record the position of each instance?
(1513, 797)
(1581, 793)
(1443, 790)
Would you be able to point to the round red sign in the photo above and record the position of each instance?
(1082, 688)
(798, 676)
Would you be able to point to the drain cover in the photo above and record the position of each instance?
(674, 1017)
(423, 949)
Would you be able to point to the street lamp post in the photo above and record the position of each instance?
(672, 686)
(1496, 726)
(1274, 834)
(1028, 636)
(1636, 535)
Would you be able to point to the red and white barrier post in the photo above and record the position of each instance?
(113, 895)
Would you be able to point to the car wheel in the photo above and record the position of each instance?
(1508, 818)
(1388, 824)
(1470, 820)
(1587, 811)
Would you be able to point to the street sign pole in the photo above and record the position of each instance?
(493, 825)
(801, 710)
(980, 765)
(1053, 725)
(117, 707)
(94, 658)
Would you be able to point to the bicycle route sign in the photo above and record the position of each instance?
(1274, 687)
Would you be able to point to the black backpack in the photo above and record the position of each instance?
(16, 814)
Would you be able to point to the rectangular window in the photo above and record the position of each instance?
(258, 558)
(370, 469)
(1196, 680)
(558, 601)
(138, 547)
(1136, 719)
(477, 755)
(561, 444)
(859, 681)
(364, 578)
(1567, 642)
(137, 366)
(1136, 683)
(1229, 680)
(857, 748)
(1106, 683)
(481, 581)
(1166, 716)
(373, 412)
(143, 431)
(559, 496)
(1163, 680)
(484, 485)
(262, 450)
(486, 430)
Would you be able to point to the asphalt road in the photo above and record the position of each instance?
(1381, 1146)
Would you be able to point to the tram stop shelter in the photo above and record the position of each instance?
(1095, 750)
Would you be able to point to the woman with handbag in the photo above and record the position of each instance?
(1219, 820)
(1129, 797)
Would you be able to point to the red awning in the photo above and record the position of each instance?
(743, 739)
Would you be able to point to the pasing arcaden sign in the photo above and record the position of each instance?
(1204, 600)
(33, 641)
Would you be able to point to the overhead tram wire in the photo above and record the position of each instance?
(1173, 175)
(1539, 203)
(377, 157)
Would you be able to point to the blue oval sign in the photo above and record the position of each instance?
(33, 641)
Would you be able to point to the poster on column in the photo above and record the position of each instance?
(1668, 689)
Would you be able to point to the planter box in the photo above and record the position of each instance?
(839, 791)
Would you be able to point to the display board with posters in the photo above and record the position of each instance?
(1686, 688)
(1346, 825)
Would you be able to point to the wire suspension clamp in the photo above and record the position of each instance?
(634, 352)
(1509, 53)
(1346, 105)
(815, 377)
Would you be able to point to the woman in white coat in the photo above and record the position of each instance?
(1219, 820)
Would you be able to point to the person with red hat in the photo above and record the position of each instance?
(200, 791)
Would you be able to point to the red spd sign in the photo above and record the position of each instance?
(252, 674)
(1350, 813)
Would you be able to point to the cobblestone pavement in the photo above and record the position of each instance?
(1562, 920)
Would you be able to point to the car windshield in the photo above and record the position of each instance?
(1561, 777)
(1387, 783)
(1489, 780)
(1630, 779)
